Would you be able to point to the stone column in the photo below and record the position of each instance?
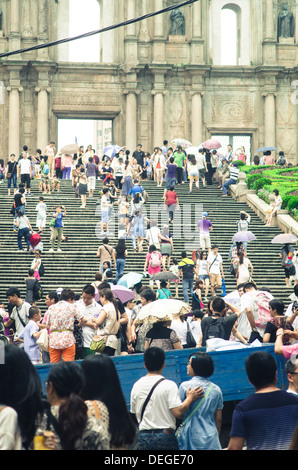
(269, 44)
(159, 50)
(14, 38)
(158, 118)
(197, 43)
(42, 138)
(196, 121)
(131, 120)
(107, 41)
(14, 120)
(131, 47)
(269, 119)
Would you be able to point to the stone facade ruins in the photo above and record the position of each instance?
(152, 84)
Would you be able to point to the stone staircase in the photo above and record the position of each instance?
(77, 264)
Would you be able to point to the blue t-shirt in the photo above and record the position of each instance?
(59, 222)
(30, 346)
(136, 189)
(266, 421)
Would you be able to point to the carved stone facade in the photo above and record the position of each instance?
(152, 84)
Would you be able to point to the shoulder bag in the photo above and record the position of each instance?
(178, 432)
(190, 341)
(99, 342)
(149, 396)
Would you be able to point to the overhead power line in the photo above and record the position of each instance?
(99, 31)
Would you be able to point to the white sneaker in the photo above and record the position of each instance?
(59, 250)
(51, 250)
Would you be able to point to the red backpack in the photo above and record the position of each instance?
(35, 239)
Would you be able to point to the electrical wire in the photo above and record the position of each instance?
(103, 30)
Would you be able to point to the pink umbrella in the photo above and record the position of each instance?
(211, 144)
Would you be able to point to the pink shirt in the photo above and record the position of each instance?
(288, 351)
(269, 160)
(66, 161)
(60, 323)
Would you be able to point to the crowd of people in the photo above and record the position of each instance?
(84, 406)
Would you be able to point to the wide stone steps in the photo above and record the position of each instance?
(78, 263)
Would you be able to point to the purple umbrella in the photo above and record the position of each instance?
(244, 236)
(123, 293)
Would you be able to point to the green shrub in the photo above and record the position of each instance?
(251, 179)
(293, 203)
(261, 183)
(239, 163)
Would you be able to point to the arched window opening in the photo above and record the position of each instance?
(230, 35)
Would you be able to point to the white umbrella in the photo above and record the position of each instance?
(162, 310)
(70, 149)
(191, 150)
(111, 150)
(284, 238)
(243, 236)
(182, 142)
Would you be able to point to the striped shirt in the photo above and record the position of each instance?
(234, 172)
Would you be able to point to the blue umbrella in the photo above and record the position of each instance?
(111, 150)
(130, 280)
(265, 149)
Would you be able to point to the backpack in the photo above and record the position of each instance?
(262, 300)
(46, 169)
(154, 260)
(37, 291)
(215, 329)
(35, 239)
(41, 269)
(281, 160)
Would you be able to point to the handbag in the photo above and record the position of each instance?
(178, 432)
(190, 341)
(99, 342)
(43, 340)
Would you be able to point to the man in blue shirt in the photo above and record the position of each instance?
(136, 189)
(58, 228)
(267, 419)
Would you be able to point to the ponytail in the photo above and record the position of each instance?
(108, 294)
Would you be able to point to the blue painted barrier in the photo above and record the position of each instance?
(229, 370)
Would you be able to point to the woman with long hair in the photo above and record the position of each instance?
(20, 400)
(193, 172)
(67, 414)
(109, 316)
(126, 181)
(102, 383)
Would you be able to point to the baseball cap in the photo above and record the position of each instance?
(204, 214)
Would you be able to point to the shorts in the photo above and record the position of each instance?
(215, 279)
(202, 172)
(203, 277)
(45, 178)
(205, 241)
(194, 173)
(105, 216)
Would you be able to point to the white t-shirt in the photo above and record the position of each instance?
(165, 397)
(243, 271)
(215, 261)
(10, 435)
(200, 158)
(25, 166)
(152, 235)
(89, 311)
(104, 203)
(181, 329)
(248, 301)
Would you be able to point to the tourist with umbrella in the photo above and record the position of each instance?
(286, 254)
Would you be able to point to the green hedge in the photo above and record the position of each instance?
(264, 179)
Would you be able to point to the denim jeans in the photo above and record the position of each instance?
(157, 441)
(187, 284)
(227, 184)
(14, 181)
(170, 182)
(24, 232)
(67, 172)
(120, 264)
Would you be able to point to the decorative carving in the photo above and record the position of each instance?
(98, 98)
(234, 109)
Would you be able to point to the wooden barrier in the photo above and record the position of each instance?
(229, 370)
